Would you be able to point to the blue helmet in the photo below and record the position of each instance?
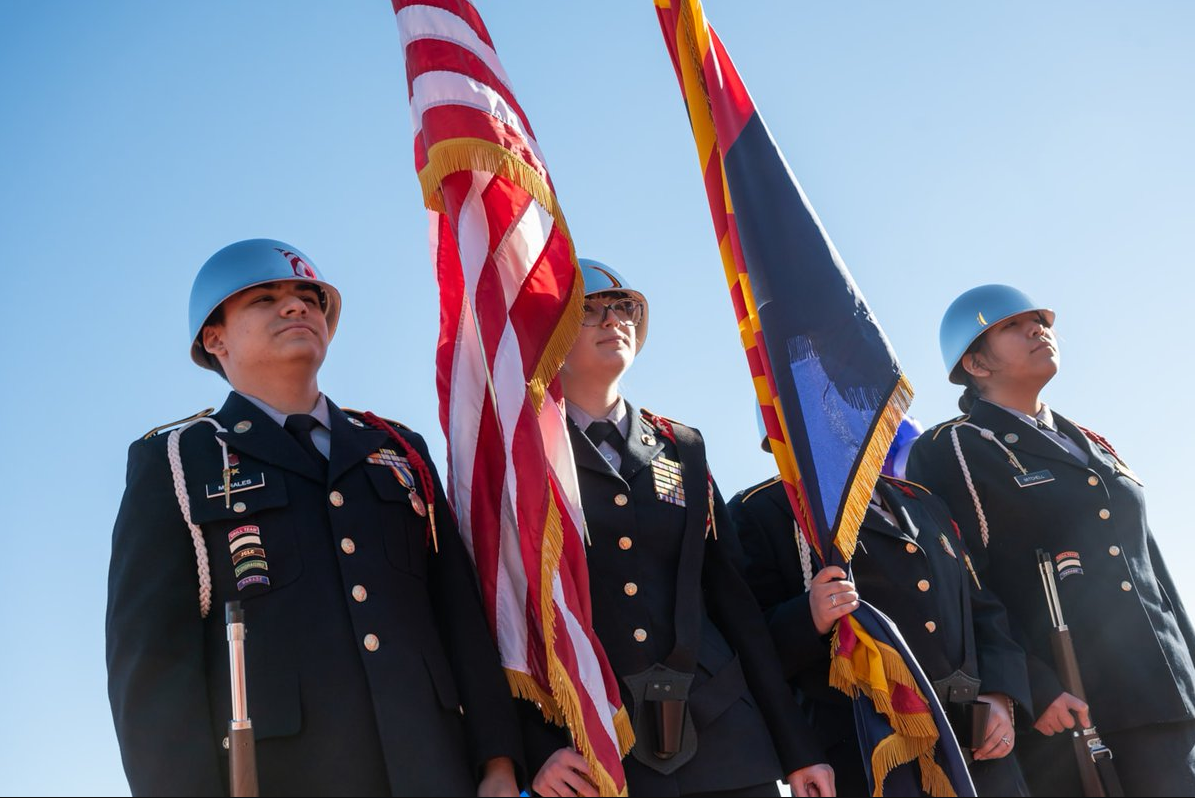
(243, 265)
(600, 278)
(969, 316)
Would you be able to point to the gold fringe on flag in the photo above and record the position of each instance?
(471, 154)
(566, 702)
(914, 737)
(871, 461)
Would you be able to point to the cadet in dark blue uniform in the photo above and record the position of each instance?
(685, 637)
(1019, 477)
(370, 667)
(911, 565)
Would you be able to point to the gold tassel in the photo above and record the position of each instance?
(933, 779)
(624, 730)
(559, 344)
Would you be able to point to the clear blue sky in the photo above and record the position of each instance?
(944, 145)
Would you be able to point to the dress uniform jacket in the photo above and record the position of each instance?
(916, 573)
(1131, 634)
(370, 667)
(747, 724)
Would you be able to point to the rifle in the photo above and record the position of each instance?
(242, 751)
(1096, 770)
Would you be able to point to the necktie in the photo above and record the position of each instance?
(603, 431)
(300, 425)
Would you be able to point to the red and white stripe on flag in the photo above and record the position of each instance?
(510, 306)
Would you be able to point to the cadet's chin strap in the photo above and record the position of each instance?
(986, 434)
(184, 504)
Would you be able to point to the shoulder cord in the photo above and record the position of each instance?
(805, 555)
(986, 434)
(184, 503)
(421, 470)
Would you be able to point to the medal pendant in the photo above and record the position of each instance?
(417, 504)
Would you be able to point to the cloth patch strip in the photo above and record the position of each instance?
(253, 580)
(245, 541)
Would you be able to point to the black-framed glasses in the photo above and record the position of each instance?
(628, 312)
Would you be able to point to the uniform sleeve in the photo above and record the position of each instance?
(935, 465)
(736, 613)
(787, 611)
(1169, 589)
(491, 725)
(155, 641)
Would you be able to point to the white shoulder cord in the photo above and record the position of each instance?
(803, 552)
(986, 434)
(184, 504)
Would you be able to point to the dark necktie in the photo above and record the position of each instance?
(603, 431)
(300, 425)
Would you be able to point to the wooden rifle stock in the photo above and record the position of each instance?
(1096, 771)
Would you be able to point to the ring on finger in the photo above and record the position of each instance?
(1005, 739)
(834, 600)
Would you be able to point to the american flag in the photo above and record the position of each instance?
(510, 308)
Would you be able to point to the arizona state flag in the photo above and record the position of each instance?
(828, 383)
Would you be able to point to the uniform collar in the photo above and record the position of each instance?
(618, 416)
(319, 412)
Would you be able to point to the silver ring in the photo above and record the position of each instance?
(834, 600)
(1005, 740)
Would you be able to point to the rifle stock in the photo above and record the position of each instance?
(242, 750)
(1094, 759)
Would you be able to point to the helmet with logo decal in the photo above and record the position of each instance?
(969, 316)
(246, 264)
(601, 279)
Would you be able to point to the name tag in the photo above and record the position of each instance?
(1034, 478)
(215, 490)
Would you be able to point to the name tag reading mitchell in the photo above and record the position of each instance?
(215, 490)
(1034, 478)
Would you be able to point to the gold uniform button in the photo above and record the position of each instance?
(1114, 551)
(347, 545)
(630, 588)
(911, 548)
(239, 507)
(1105, 514)
(624, 543)
(1126, 586)
(931, 627)
(621, 500)
(648, 440)
(360, 593)
(640, 635)
(336, 497)
(371, 642)
(923, 585)
(1093, 480)
(224, 743)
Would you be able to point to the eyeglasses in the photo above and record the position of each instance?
(628, 312)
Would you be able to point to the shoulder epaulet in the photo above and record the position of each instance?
(900, 481)
(360, 414)
(954, 422)
(747, 494)
(180, 422)
(654, 417)
(1098, 439)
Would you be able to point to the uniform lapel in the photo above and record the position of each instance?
(586, 454)
(351, 443)
(1019, 436)
(642, 445)
(906, 528)
(252, 432)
